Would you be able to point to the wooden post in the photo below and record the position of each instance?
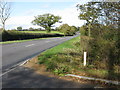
(85, 55)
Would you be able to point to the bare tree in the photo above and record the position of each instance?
(5, 12)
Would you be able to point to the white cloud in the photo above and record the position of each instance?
(69, 16)
(20, 20)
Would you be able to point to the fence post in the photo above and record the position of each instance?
(85, 55)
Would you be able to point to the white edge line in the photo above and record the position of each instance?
(6, 72)
(24, 62)
(19, 64)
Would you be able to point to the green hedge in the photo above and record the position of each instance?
(14, 35)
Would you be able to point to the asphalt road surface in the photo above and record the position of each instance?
(12, 54)
(22, 77)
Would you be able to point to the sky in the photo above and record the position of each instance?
(23, 12)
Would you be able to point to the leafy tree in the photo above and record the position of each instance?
(110, 13)
(67, 30)
(19, 28)
(64, 28)
(46, 21)
(76, 28)
(73, 30)
(90, 13)
(4, 12)
(31, 28)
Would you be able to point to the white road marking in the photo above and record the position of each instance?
(29, 45)
(47, 41)
(6, 72)
(15, 66)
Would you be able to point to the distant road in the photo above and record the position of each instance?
(15, 53)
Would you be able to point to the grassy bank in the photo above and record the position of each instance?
(67, 58)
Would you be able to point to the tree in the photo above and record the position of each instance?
(66, 29)
(110, 13)
(31, 29)
(46, 21)
(4, 12)
(73, 30)
(90, 13)
(19, 28)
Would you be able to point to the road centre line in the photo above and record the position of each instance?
(29, 45)
(47, 41)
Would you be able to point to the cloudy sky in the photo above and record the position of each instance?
(23, 12)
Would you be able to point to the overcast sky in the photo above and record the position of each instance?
(23, 12)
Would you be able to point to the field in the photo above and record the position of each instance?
(41, 32)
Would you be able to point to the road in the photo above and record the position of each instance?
(23, 77)
(12, 54)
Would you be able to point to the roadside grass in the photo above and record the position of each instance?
(66, 58)
(49, 57)
(61, 47)
(40, 32)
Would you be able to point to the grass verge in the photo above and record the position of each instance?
(66, 58)
(50, 57)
